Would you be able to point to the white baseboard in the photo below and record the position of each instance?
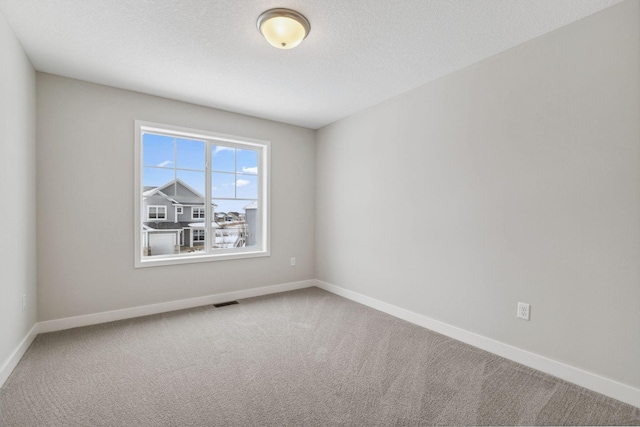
(597, 383)
(145, 310)
(128, 313)
(17, 354)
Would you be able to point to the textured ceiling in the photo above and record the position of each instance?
(208, 52)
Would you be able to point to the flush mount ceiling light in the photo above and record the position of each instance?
(283, 28)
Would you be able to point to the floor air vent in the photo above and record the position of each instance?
(224, 304)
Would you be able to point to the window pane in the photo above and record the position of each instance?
(229, 236)
(190, 187)
(236, 225)
(190, 154)
(252, 219)
(154, 178)
(189, 243)
(223, 158)
(223, 185)
(226, 206)
(158, 150)
(247, 161)
(247, 187)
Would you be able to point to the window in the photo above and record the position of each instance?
(198, 235)
(216, 176)
(197, 213)
(156, 212)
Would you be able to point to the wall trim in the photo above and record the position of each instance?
(595, 382)
(17, 354)
(145, 310)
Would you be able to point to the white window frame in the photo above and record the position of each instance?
(179, 210)
(200, 209)
(157, 207)
(262, 247)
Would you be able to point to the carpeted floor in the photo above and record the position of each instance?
(305, 357)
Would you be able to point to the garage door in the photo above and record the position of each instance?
(162, 244)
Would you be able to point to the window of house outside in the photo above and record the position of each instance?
(178, 169)
(197, 213)
(198, 235)
(156, 212)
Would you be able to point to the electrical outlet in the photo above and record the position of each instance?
(293, 261)
(524, 310)
(24, 302)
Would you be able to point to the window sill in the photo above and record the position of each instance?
(191, 259)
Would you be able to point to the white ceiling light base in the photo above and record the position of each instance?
(283, 28)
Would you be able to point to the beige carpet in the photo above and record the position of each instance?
(298, 358)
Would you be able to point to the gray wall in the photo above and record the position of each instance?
(516, 179)
(85, 162)
(18, 205)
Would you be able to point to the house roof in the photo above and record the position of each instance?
(151, 225)
(201, 225)
(191, 196)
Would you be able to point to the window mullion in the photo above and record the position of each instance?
(209, 239)
(260, 202)
(175, 164)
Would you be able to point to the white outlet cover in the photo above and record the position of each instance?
(524, 311)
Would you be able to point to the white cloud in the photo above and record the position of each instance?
(250, 170)
(220, 148)
(165, 163)
(242, 182)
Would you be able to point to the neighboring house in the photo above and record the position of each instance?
(167, 212)
(173, 221)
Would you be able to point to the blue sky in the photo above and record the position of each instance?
(234, 170)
